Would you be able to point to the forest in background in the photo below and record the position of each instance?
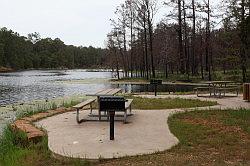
(194, 39)
(33, 52)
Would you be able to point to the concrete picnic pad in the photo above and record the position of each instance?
(147, 132)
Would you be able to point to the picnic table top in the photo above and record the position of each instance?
(106, 92)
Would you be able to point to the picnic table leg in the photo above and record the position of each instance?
(214, 90)
(210, 92)
(108, 116)
(125, 116)
(197, 92)
(91, 108)
(77, 116)
(225, 90)
(99, 111)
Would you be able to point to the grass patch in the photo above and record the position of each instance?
(43, 107)
(168, 103)
(222, 135)
(31, 110)
(16, 151)
(68, 104)
(128, 79)
(207, 137)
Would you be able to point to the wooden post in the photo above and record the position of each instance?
(246, 92)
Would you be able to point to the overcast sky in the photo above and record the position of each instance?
(76, 22)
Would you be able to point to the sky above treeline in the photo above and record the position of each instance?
(76, 22)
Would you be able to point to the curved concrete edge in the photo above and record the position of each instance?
(26, 124)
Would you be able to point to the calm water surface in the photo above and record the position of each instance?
(25, 86)
(33, 85)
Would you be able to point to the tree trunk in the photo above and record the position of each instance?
(194, 38)
(150, 29)
(201, 59)
(117, 64)
(243, 38)
(185, 42)
(146, 47)
(208, 56)
(180, 38)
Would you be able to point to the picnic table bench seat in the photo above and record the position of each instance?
(198, 89)
(81, 105)
(128, 104)
(217, 89)
(224, 89)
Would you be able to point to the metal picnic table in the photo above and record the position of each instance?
(213, 85)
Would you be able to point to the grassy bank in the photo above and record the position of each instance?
(15, 150)
(212, 137)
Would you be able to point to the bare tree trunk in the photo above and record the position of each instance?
(208, 44)
(125, 51)
(146, 47)
(123, 56)
(194, 38)
(132, 42)
(117, 64)
(180, 38)
(243, 41)
(201, 59)
(166, 70)
(150, 29)
(185, 42)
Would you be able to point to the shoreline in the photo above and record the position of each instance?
(7, 69)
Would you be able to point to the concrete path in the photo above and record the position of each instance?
(147, 132)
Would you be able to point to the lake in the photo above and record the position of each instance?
(25, 86)
(46, 84)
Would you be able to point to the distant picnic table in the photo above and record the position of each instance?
(217, 88)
